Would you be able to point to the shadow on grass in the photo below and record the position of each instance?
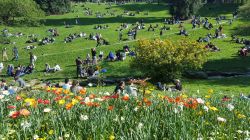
(106, 20)
(119, 69)
(225, 82)
(242, 30)
(235, 64)
(214, 10)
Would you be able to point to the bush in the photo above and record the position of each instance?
(166, 60)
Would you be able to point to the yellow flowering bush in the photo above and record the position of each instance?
(164, 60)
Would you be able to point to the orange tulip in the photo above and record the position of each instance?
(89, 104)
(110, 107)
(83, 91)
(66, 91)
(125, 98)
(79, 98)
(18, 98)
(92, 96)
(69, 106)
(24, 112)
(148, 102)
(191, 103)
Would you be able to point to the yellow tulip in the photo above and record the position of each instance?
(74, 101)
(210, 91)
(61, 102)
(51, 132)
(213, 108)
(208, 96)
(241, 116)
(111, 137)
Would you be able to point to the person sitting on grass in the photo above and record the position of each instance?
(183, 32)
(10, 70)
(131, 89)
(20, 81)
(111, 56)
(75, 88)
(19, 72)
(123, 56)
(29, 69)
(119, 89)
(66, 85)
(100, 55)
(211, 47)
(177, 85)
(243, 51)
(3, 85)
(118, 55)
(126, 48)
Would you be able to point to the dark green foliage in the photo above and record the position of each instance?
(245, 10)
(55, 6)
(185, 8)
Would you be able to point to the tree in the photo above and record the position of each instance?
(55, 6)
(166, 60)
(244, 10)
(26, 10)
(185, 8)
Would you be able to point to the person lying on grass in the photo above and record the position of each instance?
(54, 69)
(211, 47)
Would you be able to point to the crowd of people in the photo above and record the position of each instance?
(88, 67)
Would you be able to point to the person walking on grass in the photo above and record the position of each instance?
(4, 54)
(120, 36)
(15, 53)
(33, 59)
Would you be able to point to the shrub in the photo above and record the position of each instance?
(165, 60)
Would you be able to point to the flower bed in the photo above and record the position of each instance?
(55, 113)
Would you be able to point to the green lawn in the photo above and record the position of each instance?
(65, 54)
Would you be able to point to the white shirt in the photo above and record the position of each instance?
(57, 68)
(1, 66)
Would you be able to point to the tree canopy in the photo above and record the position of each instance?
(185, 8)
(55, 6)
(245, 10)
(26, 10)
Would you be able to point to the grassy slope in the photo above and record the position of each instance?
(65, 54)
